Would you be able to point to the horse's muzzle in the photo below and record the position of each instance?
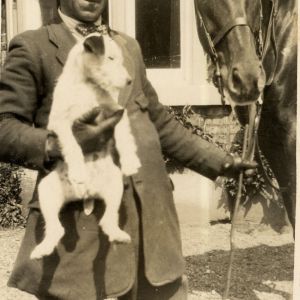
(246, 83)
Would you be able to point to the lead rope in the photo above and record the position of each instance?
(233, 221)
(250, 140)
(249, 145)
(262, 48)
(270, 37)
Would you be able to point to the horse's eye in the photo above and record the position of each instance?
(111, 58)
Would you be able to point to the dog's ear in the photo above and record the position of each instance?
(94, 44)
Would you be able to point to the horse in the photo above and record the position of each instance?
(252, 52)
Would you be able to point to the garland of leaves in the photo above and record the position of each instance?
(10, 175)
(257, 185)
(10, 200)
(183, 117)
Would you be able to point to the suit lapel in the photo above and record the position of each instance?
(130, 67)
(60, 36)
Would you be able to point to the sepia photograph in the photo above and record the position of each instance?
(149, 149)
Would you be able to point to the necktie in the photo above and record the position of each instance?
(86, 29)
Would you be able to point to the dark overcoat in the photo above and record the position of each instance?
(85, 265)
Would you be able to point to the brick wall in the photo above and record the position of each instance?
(217, 121)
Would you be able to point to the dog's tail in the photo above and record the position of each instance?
(126, 147)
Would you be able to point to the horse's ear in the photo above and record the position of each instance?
(94, 44)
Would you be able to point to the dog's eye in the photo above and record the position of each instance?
(111, 58)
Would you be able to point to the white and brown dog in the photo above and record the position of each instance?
(93, 76)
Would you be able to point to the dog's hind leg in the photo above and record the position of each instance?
(111, 191)
(51, 198)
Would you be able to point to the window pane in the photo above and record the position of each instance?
(158, 32)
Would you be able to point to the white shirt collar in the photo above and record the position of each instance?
(71, 24)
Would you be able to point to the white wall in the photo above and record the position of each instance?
(29, 15)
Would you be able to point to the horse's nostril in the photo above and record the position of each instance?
(128, 81)
(236, 79)
(244, 84)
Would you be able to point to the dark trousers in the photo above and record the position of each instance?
(143, 290)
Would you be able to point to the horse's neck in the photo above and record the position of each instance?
(282, 34)
(287, 5)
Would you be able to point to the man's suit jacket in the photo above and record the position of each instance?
(34, 62)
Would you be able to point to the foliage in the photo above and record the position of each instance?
(10, 200)
(184, 117)
(258, 184)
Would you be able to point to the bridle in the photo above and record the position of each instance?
(261, 44)
(213, 42)
(250, 135)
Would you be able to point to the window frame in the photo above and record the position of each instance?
(186, 85)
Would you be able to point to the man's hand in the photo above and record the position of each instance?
(93, 129)
(236, 164)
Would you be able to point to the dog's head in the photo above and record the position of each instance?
(100, 60)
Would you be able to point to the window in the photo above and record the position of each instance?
(166, 31)
(158, 32)
(175, 61)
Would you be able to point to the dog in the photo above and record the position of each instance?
(91, 78)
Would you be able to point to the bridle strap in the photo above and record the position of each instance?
(270, 38)
(240, 21)
(212, 51)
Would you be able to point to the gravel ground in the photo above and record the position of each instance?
(9, 244)
(263, 267)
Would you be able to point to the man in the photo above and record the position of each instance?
(85, 265)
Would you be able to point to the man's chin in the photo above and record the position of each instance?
(90, 11)
(89, 17)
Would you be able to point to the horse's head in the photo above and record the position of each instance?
(232, 26)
